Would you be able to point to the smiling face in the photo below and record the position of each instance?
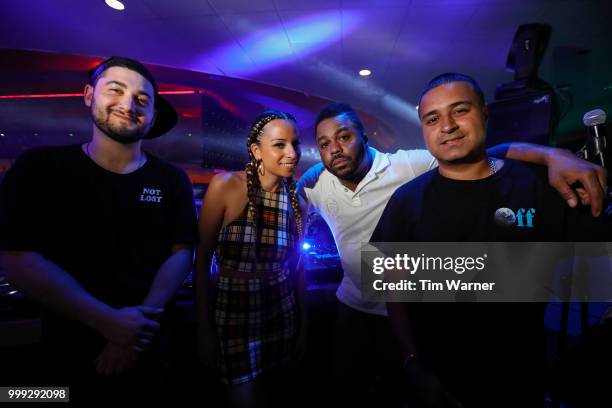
(122, 104)
(278, 148)
(341, 146)
(453, 120)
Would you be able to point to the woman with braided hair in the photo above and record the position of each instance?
(250, 316)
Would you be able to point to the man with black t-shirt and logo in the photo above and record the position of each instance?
(102, 236)
(469, 354)
(350, 188)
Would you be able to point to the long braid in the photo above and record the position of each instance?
(295, 205)
(253, 184)
(252, 189)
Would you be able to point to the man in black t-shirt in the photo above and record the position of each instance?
(102, 236)
(477, 355)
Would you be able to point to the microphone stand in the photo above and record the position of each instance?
(596, 151)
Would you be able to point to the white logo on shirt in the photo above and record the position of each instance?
(151, 195)
(332, 207)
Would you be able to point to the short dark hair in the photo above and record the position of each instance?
(339, 108)
(450, 77)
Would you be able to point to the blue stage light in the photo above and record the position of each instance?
(259, 48)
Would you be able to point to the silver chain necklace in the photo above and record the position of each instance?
(492, 166)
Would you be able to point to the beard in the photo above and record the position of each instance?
(344, 173)
(472, 156)
(354, 169)
(120, 134)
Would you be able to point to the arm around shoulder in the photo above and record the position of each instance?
(565, 171)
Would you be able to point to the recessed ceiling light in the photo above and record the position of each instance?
(115, 4)
(365, 72)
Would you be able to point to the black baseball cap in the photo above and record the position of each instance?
(166, 117)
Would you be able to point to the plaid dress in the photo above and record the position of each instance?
(256, 318)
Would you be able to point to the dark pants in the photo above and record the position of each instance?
(70, 351)
(366, 361)
(76, 369)
(485, 354)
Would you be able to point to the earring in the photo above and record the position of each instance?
(260, 168)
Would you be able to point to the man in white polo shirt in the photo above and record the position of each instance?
(350, 189)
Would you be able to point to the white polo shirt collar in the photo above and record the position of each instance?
(379, 164)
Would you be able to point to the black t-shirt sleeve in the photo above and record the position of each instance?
(392, 225)
(21, 203)
(183, 212)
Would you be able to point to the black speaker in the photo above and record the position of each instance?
(528, 48)
(525, 118)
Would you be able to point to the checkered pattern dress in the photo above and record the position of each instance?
(256, 318)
